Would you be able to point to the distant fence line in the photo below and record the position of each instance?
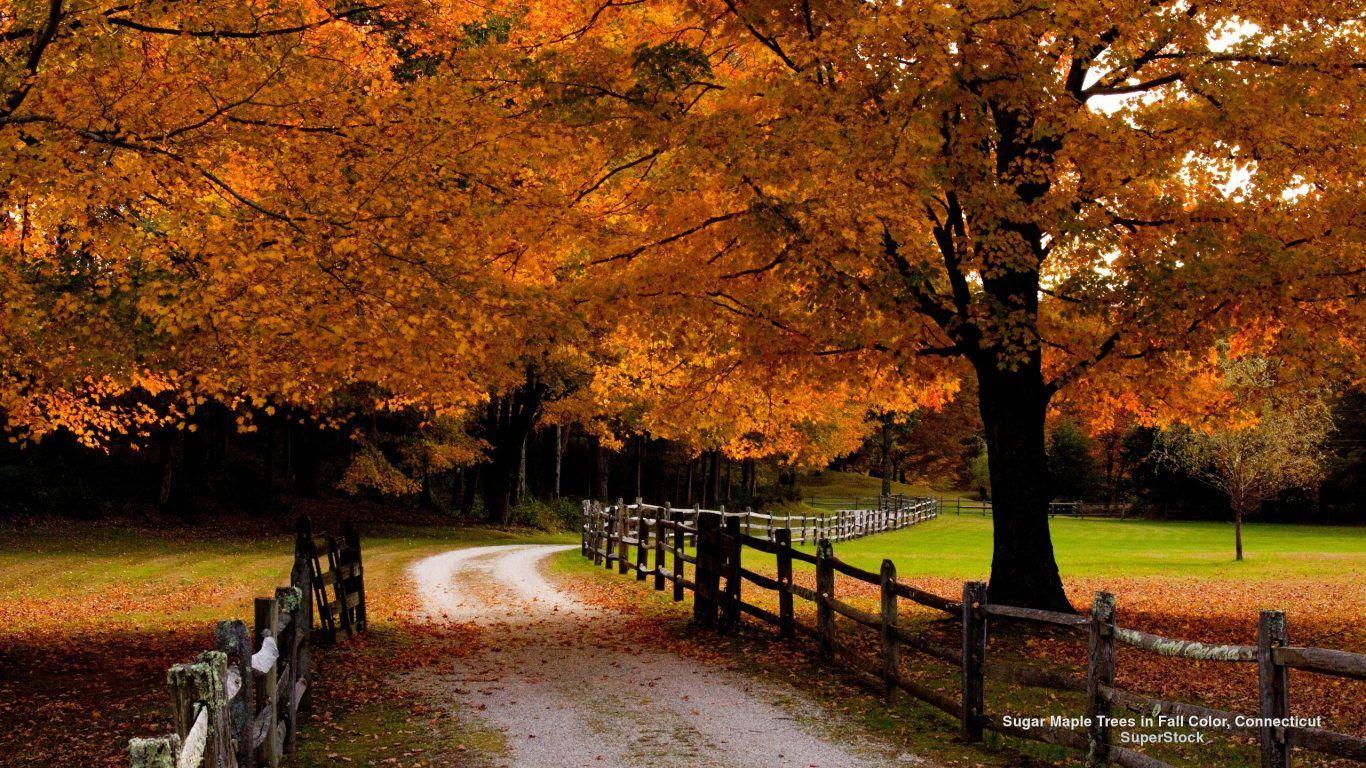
(961, 506)
(890, 513)
(719, 556)
(238, 706)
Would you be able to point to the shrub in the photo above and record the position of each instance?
(551, 515)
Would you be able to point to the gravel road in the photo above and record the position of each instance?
(566, 690)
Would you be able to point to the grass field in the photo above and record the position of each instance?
(960, 547)
(91, 616)
(829, 484)
(821, 491)
(1178, 579)
(89, 575)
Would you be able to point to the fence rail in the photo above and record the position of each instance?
(718, 576)
(890, 514)
(959, 506)
(238, 706)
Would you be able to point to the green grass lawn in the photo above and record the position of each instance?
(959, 547)
(829, 484)
(141, 577)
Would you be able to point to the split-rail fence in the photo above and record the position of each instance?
(238, 706)
(714, 572)
(889, 513)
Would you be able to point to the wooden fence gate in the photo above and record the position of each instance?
(338, 579)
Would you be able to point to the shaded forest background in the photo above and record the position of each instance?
(261, 461)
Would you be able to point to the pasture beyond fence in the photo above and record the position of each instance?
(889, 513)
(718, 574)
(960, 506)
(238, 706)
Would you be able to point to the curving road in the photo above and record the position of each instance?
(567, 690)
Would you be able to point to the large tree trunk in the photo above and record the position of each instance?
(1023, 569)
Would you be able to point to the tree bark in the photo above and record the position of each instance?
(1024, 571)
(692, 469)
(509, 422)
(1238, 532)
(886, 454)
(170, 495)
(640, 465)
(599, 470)
(715, 478)
(520, 495)
(559, 461)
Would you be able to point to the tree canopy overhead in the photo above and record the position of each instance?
(270, 199)
(1054, 194)
(741, 224)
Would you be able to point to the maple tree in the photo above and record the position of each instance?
(1072, 200)
(260, 203)
(1277, 447)
(740, 225)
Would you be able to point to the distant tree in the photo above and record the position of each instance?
(979, 469)
(1250, 464)
(1072, 469)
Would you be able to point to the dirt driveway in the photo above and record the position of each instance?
(566, 690)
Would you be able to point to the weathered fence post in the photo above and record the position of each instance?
(974, 658)
(287, 604)
(677, 517)
(302, 577)
(825, 591)
(610, 524)
(268, 627)
(599, 533)
(730, 617)
(891, 649)
(200, 685)
(660, 518)
(785, 621)
(300, 654)
(587, 528)
(707, 578)
(1274, 684)
(1100, 674)
(642, 545)
(234, 640)
(623, 546)
(334, 564)
(356, 581)
(159, 752)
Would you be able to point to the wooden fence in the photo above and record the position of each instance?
(718, 573)
(960, 506)
(891, 513)
(238, 705)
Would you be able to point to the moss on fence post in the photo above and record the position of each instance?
(160, 752)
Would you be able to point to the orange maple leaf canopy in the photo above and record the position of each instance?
(743, 225)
